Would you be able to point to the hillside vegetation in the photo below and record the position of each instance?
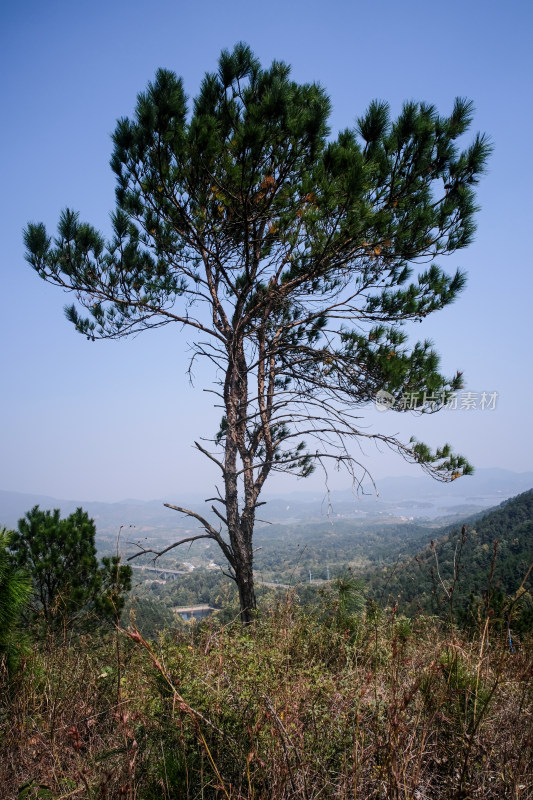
(481, 565)
(333, 692)
(398, 561)
(339, 703)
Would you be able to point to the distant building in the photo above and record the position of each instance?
(194, 612)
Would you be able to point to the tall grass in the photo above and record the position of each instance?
(299, 705)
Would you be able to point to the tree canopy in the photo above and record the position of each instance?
(290, 255)
(59, 555)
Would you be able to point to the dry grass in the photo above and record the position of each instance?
(295, 707)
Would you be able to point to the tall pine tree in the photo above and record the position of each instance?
(289, 254)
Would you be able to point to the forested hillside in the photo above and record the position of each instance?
(483, 564)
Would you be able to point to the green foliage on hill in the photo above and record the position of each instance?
(289, 552)
(286, 555)
(483, 565)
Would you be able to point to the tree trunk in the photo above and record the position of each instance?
(240, 526)
(245, 583)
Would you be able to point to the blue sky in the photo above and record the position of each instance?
(117, 419)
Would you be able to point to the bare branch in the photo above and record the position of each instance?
(210, 456)
(159, 553)
(219, 515)
(195, 515)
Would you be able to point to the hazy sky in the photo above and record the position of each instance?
(110, 420)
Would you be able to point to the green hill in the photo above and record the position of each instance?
(472, 568)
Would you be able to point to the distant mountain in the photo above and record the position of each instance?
(485, 488)
(401, 499)
(144, 516)
(495, 482)
(409, 497)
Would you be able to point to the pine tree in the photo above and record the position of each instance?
(290, 255)
(15, 592)
(114, 582)
(60, 556)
